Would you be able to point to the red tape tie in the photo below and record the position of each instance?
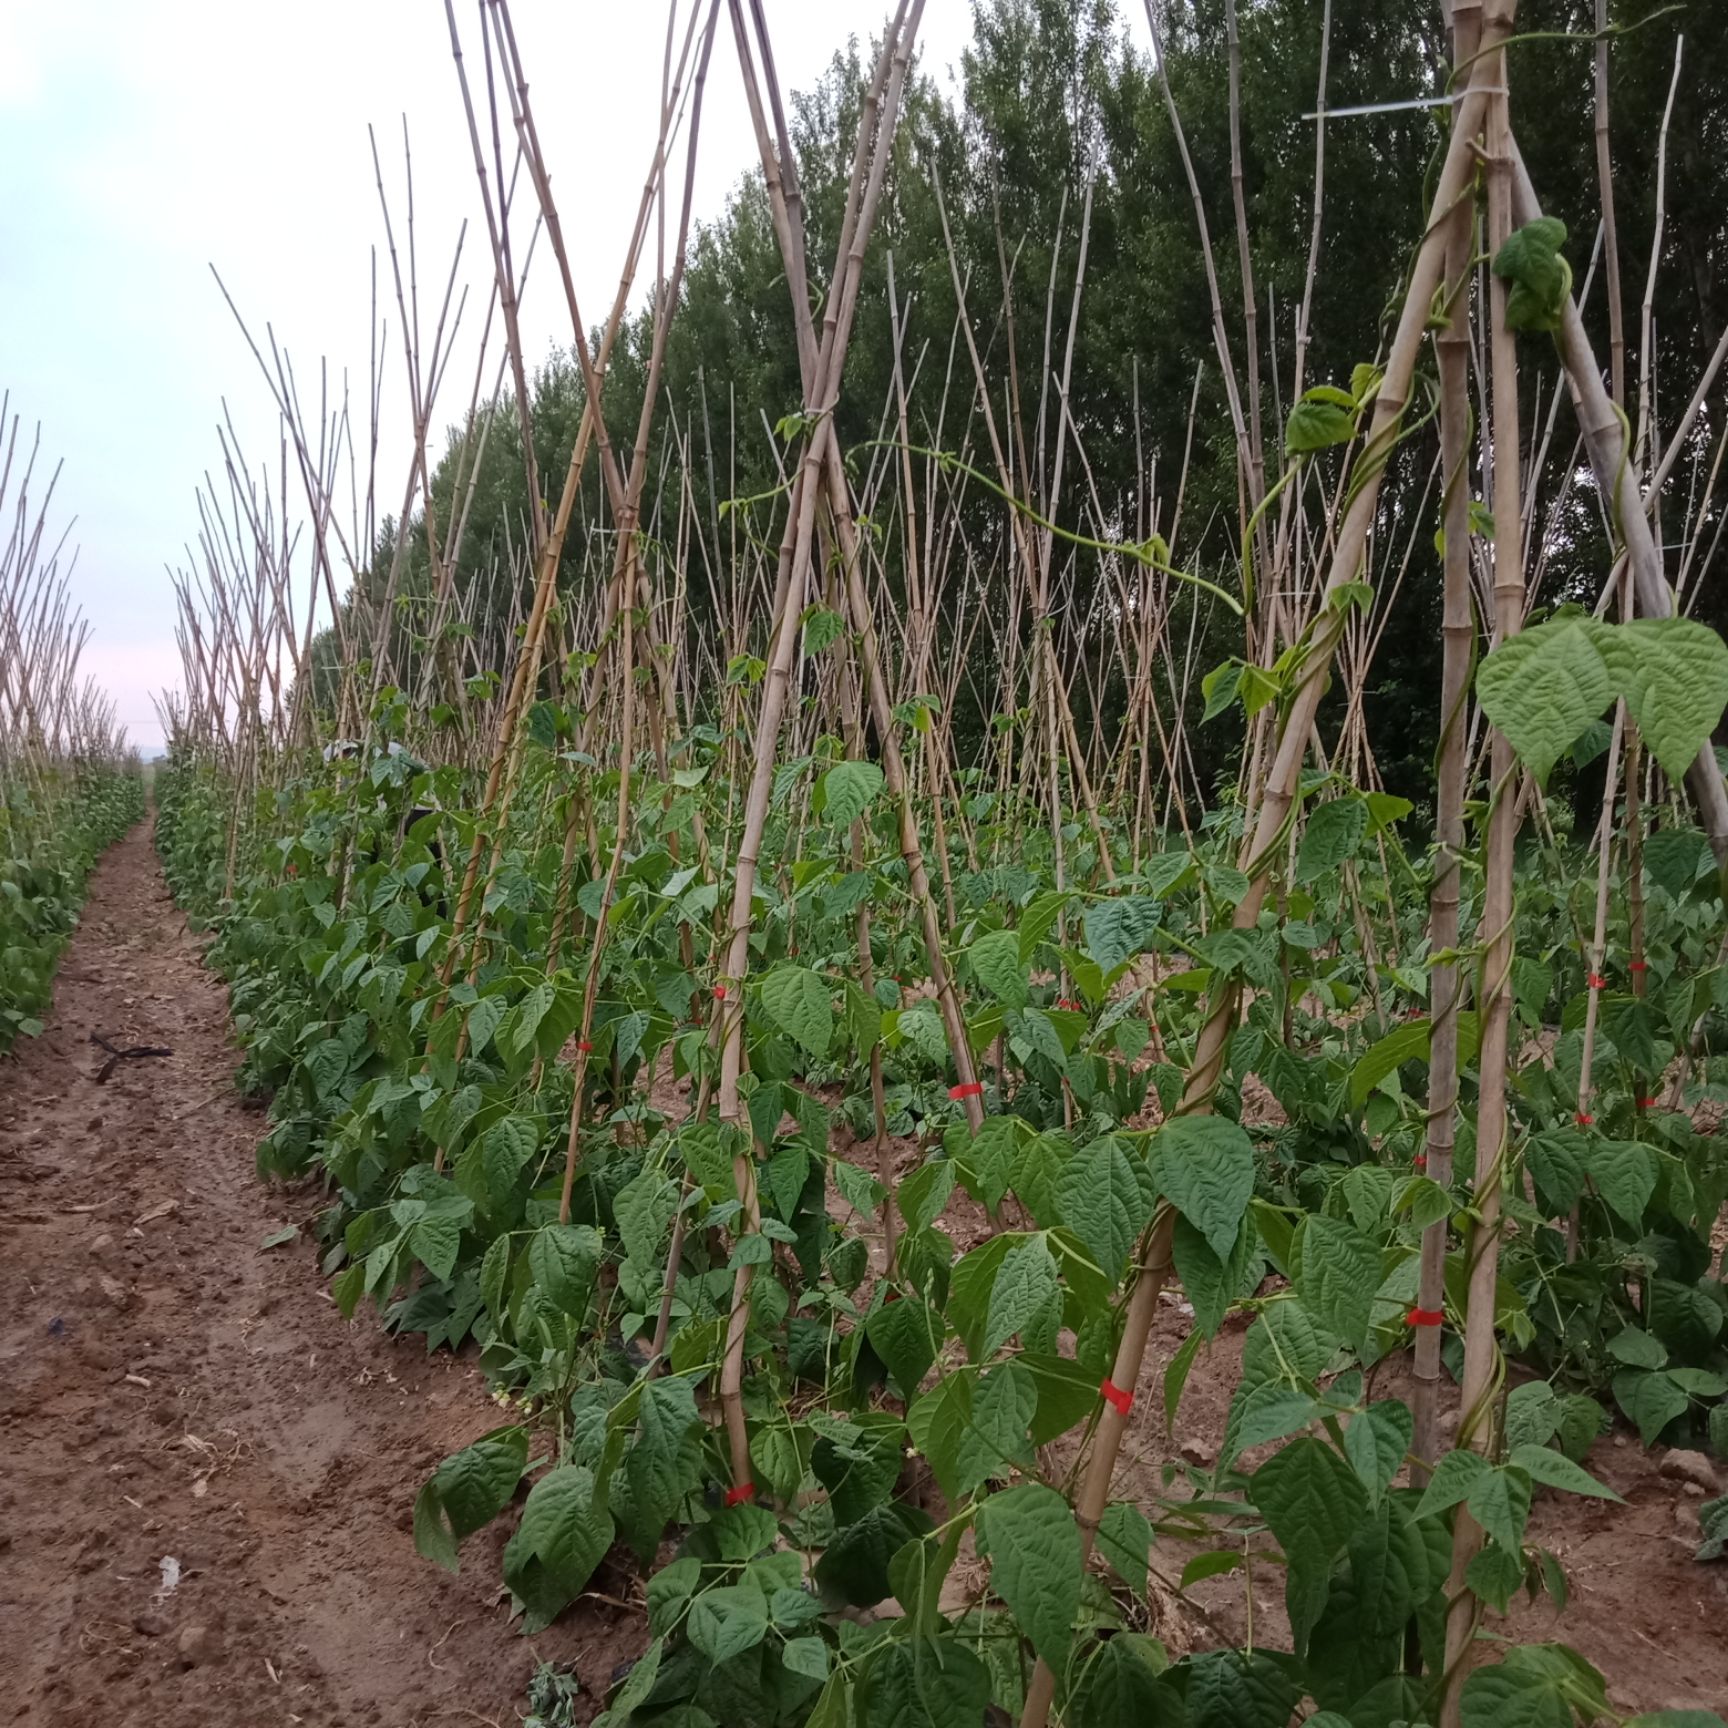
(1597, 981)
(719, 992)
(739, 1495)
(1425, 1317)
(584, 1046)
(972, 1089)
(1637, 966)
(1646, 1103)
(1583, 1118)
(1420, 1161)
(1113, 1395)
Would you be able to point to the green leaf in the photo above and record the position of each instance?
(434, 1540)
(1542, 688)
(806, 1656)
(1507, 1697)
(477, 1483)
(801, 1004)
(928, 1685)
(1025, 1297)
(661, 1467)
(1227, 1689)
(1035, 1564)
(906, 1335)
(1637, 1349)
(1118, 1683)
(855, 1564)
(1316, 426)
(847, 790)
(1500, 1503)
(1674, 675)
(1555, 1470)
(1540, 279)
(1330, 840)
(1391, 1568)
(1312, 1501)
(1625, 1174)
(727, 1620)
(563, 1535)
(1271, 1411)
(564, 1260)
(1651, 1401)
(1125, 1540)
(1104, 1204)
(1204, 1165)
(1455, 1475)
(996, 962)
(505, 1149)
(1495, 1575)
(1118, 929)
(1336, 1271)
(644, 1210)
(1376, 1443)
(1210, 1284)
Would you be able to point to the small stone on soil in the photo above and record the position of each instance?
(197, 1645)
(1684, 1466)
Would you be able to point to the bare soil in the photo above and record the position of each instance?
(171, 1390)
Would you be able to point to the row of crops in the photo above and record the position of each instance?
(801, 1105)
(69, 784)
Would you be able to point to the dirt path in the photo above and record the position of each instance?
(168, 1388)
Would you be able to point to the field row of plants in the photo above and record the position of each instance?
(69, 784)
(800, 1099)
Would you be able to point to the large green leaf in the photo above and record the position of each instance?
(1674, 675)
(801, 1004)
(1500, 1502)
(924, 1685)
(728, 1620)
(1227, 1689)
(1538, 278)
(1117, 1683)
(1507, 1697)
(1313, 1502)
(664, 1464)
(1336, 1271)
(847, 790)
(1542, 688)
(1205, 1166)
(1025, 1296)
(1104, 1203)
(996, 962)
(1035, 1564)
(564, 1259)
(906, 1335)
(561, 1539)
(1330, 840)
(1118, 929)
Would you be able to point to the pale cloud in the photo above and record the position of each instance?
(140, 143)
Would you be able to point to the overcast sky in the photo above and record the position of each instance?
(141, 143)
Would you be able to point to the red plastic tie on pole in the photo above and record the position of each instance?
(1113, 1395)
(1637, 966)
(583, 1045)
(1425, 1317)
(743, 1492)
(1583, 1119)
(972, 1089)
(1597, 981)
(719, 992)
(1420, 1160)
(1646, 1103)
